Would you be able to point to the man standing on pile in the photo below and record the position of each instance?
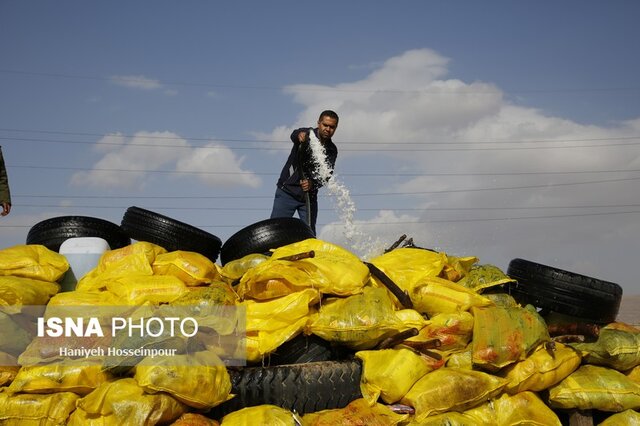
(299, 180)
(5, 194)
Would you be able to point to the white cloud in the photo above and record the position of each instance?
(218, 166)
(136, 82)
(133, 162)
(409, 111)
(409, 115)
(111, 142)
(369, 238)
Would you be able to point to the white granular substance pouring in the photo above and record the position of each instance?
(345, 207)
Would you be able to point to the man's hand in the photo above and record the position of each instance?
(306, 185)
(6, 209)
(302, 136)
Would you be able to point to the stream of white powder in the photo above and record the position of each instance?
(358, 242)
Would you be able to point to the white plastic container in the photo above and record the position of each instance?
(83, 254)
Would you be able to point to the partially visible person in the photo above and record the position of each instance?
(299, 178)
(5, 194)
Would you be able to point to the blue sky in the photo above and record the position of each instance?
(498, 129)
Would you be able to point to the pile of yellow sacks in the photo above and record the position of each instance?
(494, 361)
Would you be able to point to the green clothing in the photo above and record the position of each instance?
(5, 194)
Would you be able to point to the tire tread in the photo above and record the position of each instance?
(564, 291)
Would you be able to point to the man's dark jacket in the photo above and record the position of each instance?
(5, 194)
(290, 177)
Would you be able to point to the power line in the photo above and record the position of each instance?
(422, 222)
(302, 87)
(153, 137)
(495, 219)
(140, 197)
(425, 209)
(342, 142)
(386, 174)
(394, 146)
(548, 185)
(373, 194)
(85, 169)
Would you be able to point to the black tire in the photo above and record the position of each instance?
(263, 236)
(302, 349)
(564, 292)
(304, 388)
(51, 233)
(145, 225)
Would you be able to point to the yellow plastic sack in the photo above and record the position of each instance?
(16, 335)
(46, 349)
(78, 376)
(406, 266)
(278, 313)
(261, 415)
(524, 408)
(137, 289)
(358, 412)
(199, 380)
(79, 417)
(457, 268)
(124, 402)
(453, 330)
(216, 293)
(390, 373)
(16, 292)
(618, 346)
(502, 336)
(359, 322)
(593, 387)
(501, 299)
(273, 322)
(99, 278)
(234, 270)
(273, 279)
(192, 268)
(259, 343)
(634, 374)
(193, 419)
(451, 389)
(481, 277)
(102, 305)
(462, 360)
(132, 260)
(83, 298)
(210, 306)
(33, 261)
(433, 296)
(36, 410)
(148, 251)
(544, 368)
(411, 318)
(8, 368)
(332, 270)
(451, 418)
(626, 418)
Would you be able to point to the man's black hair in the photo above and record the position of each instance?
(330, 114)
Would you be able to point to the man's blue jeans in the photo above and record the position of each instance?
(285, 205)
